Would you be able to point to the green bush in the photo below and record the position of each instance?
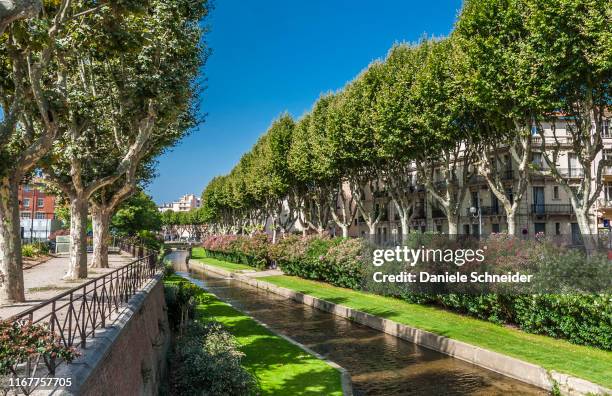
(579, 315)
(249, 250)
(168, 269)
(29, 251)
(180, 299)
(207, 361)
(34, 249)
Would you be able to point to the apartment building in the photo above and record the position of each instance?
(545, 207)
(184, 204)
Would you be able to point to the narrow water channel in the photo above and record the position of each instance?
(379, 364)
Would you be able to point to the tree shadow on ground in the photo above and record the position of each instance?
(281, 367)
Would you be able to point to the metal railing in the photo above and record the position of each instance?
(76, 314)
(487, 211)
(548, 209)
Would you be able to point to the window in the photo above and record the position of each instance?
(608, 192)
(555, 192)
(538, 201)
(495, 228)
(25, 215)
(510, 195)
(40, 202)
(536, 159)
(606, 128)
(40, 216)
(27, 188)
(475, 200)
(494, 205)
(26, 202)
(540, 228)
(508, 162)
(557, 228)
(466, 229)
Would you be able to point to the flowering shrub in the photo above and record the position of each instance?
(251, 251)
(21, 342)
(581, 318)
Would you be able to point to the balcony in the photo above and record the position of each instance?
(551, 141)
(419, 211)
(552, 209)
(567, 173)
(477, 179)
(487, 211)
(571, 172)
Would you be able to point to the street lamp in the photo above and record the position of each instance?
(476, 213)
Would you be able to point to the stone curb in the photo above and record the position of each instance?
(81, 369)
(497, 362)
(347, 386)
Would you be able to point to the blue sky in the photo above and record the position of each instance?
(274, 56)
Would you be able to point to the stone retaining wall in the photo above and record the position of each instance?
(129, 357)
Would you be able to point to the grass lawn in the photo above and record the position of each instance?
(585, 362)
(199, 254)
(281, 368)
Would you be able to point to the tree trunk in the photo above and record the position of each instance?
(77, 268)
(372, 232)
(511, 219)
(345, 230)
(101, 222)
(584, 224)
(11, 272)
(453, 227)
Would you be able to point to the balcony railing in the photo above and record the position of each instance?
(551, 209)
(487, 211)
(551, 141)
(419, 211)
(563, 172)
(571, 172)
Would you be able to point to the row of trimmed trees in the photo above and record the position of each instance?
(91, 93)
(176, 224)
(438, 111)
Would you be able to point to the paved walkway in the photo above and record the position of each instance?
(45, 281)
(259, 274)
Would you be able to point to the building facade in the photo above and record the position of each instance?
(37, 212)
(545, 208)
(184, 204)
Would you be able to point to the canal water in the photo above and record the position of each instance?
(379, 364)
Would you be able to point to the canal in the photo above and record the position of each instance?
(379, 364)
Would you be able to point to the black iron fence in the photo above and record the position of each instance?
(76, 314)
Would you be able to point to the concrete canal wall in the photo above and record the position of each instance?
(523, 371)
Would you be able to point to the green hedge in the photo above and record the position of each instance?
(584, 319)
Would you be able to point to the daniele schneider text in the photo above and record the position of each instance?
(459, 257)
